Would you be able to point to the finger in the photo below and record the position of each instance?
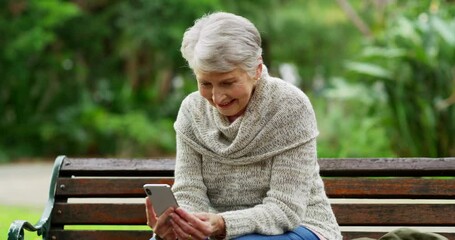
(179, 233)
(162, 224)
(178, 237)
(184, 229)
(163, 219)
(192, 219)
(151, 215)
(182, 234)
(168, 235)
(188, 217)
(202, 216)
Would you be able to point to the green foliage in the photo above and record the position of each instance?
(29, 86)
(98, 78)
(106, 77)
(348, 122)
(311, 32)
(414, 58)
(94, 78)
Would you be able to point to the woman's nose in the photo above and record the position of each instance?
(217, 95)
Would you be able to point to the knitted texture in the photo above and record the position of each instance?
(260, 173)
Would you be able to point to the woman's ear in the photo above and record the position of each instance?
(258, 71)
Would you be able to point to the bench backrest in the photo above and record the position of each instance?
(109, 192)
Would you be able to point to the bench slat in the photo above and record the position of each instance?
(387, 167)
(146, 235)
(394, 214)
(390, 188)
(335, 187)
(100, 234)
(329, 167)
(117, 167)
(347, 214)
(109, 187)
(99, 214)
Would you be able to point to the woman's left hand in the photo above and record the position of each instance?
(198, 226)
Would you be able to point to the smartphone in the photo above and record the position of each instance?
(162, 197)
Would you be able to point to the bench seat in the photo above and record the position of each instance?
(103, 198)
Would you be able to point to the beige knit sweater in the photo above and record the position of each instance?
(260, 172)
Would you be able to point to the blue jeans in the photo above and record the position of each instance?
(300, 233)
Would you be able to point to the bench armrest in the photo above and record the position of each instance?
(16, 229)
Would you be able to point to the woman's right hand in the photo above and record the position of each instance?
(161, 225)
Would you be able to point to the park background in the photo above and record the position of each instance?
(105, 78)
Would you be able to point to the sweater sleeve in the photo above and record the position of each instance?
(286, 200)
(189, 188)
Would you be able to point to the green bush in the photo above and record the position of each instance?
(106, 78)
(414, 57)
(349, 121)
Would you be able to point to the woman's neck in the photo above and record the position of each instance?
(233, 118)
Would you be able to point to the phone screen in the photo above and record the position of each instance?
(162, 197)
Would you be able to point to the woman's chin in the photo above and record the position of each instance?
(225, 113)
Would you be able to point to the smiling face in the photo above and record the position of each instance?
(229, 92)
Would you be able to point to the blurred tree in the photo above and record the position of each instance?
(31, 69)
(414, 58)
(98, 77)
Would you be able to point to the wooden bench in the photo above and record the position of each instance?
(103, 192)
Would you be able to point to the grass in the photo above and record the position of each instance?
(11, 213)
(32, 215)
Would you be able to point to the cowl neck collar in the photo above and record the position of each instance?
(278, 117)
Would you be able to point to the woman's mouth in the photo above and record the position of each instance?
(225, 104)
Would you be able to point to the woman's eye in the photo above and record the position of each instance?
(204, 84)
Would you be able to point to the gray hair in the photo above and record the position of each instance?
(221, 42)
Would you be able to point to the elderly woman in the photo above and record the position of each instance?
(246, 163)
